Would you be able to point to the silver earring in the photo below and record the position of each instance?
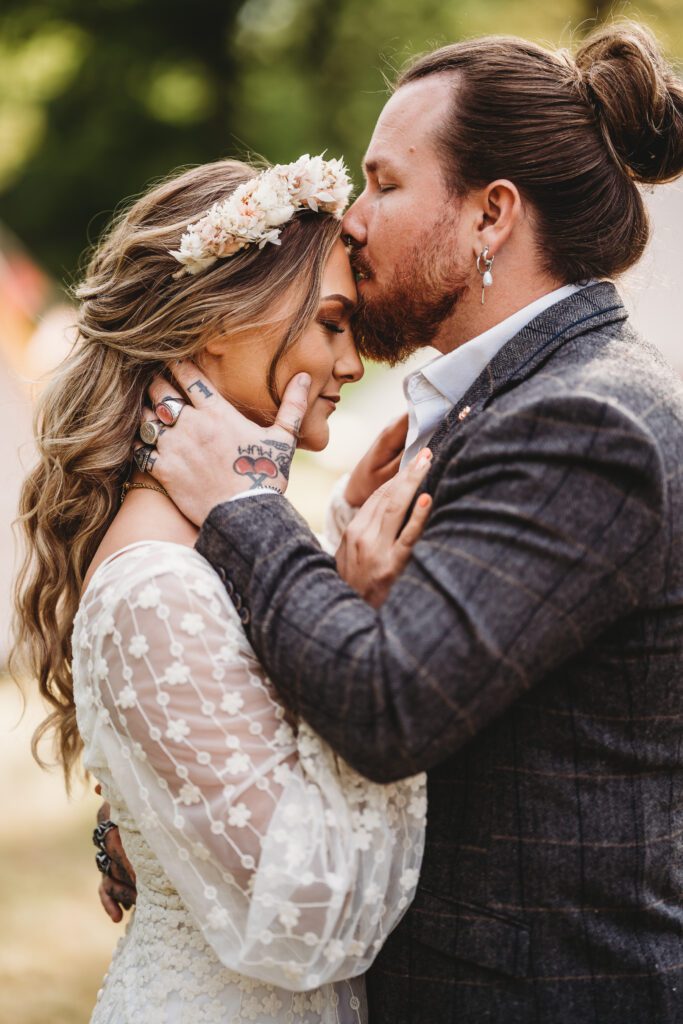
(484, 265)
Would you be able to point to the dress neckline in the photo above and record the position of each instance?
(124, 550)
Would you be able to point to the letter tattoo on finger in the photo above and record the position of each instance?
(201, 386)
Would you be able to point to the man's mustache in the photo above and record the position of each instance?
(360, 264)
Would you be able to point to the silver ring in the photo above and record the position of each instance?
(103, 861)
(150, 431)
(169, 409)
(142, 457)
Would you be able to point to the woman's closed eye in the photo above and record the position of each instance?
(332, 326)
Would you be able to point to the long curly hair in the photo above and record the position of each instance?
(134, 317)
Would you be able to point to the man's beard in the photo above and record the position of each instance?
(409, 312)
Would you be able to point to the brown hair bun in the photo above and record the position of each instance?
(638, 100)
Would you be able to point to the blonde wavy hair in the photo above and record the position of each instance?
(134, 318)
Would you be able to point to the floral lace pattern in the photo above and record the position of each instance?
(269, 871)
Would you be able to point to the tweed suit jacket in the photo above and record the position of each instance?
(529, 658)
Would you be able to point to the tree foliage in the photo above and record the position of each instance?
(98, 99)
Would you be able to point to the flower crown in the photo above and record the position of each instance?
(255, 212)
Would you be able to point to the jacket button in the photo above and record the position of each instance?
(230, 587)
(236, 600)
(221, 572)
(245, 616)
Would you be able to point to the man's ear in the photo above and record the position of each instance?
(500, 210)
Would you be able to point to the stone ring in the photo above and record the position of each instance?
(169, 409)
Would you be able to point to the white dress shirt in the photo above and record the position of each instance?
(433, 390)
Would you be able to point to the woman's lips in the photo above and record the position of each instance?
(332, 399)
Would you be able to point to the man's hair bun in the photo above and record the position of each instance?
(637, 98)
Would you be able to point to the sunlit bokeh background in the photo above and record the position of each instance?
(98, 99)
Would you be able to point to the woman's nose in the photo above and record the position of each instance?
(349, 366)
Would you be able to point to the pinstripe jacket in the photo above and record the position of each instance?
(529, 658)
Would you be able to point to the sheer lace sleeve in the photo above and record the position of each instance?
(294, 866)
(337, 516)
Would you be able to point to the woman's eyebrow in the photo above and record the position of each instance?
(344, 300)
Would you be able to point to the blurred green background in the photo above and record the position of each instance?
(97, 99)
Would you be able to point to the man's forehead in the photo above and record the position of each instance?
(408, 122)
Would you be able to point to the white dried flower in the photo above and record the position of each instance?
(256, 210)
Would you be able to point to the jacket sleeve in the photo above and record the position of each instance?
(546, 528)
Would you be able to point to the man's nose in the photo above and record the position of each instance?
(353, 223)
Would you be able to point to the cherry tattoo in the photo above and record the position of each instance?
(257, 470)
(259, 464)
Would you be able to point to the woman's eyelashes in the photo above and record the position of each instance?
(332, 326)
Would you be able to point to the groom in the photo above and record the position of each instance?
(529, 657)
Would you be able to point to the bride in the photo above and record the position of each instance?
(268, 872)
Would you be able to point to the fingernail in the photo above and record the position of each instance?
(423, 500)
(423, 458)
(304, 381)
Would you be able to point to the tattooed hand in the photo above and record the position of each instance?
(213, 452)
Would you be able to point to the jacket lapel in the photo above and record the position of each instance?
(518, 359)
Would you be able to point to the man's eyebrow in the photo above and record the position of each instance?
(344, 300)
(372, 166)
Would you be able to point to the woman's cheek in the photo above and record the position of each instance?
(315, 431)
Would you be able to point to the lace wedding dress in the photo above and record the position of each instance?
(268, 871)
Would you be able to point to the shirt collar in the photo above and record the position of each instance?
(453, 373)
